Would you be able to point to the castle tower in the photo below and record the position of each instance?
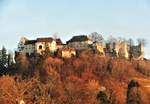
(21, 44)
(141, 49)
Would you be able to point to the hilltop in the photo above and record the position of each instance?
(85, 70)
(87, 79)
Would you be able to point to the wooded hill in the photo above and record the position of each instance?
(87, 79)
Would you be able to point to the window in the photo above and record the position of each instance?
(40, 47)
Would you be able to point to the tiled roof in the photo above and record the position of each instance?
(45, 39)
(30, 42)
(49, 39)
(78, 38)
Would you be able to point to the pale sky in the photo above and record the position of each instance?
(41, 18)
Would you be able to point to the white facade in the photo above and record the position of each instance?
(68, 52)
(100, 48)
(29, 48)
(36, 46)
(122, 50)
(21, 44)
(41, 46)
(79, 42)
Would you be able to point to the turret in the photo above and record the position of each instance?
(141, 46)
(21, 44)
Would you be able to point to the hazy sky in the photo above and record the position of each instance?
(36, 18)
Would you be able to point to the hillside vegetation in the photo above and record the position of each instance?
(88, 79)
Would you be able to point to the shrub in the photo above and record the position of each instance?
(8, 90)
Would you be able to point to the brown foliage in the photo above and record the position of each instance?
(143, 67)
(8, 90)
(73, 81)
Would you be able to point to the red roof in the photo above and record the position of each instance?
(49, 39)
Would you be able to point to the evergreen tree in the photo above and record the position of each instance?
(3, 60)
(4, 57)
(133, 94)
(102, 97)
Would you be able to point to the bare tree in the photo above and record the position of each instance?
(22, 63)
(55, 35)
(112, 39)
(130, 42)
(142, 41)
(121, 39)
(96, 37)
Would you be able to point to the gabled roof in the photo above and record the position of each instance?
(30, 42)
(79, 38)
(49, 39)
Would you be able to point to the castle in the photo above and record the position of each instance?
(76, 44)
(39, 45)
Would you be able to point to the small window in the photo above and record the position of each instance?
(40, 47)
